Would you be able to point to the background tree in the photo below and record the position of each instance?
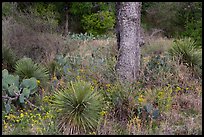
(128, 25)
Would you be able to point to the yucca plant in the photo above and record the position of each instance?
(26, 68)
(187, 52)
(79, 105)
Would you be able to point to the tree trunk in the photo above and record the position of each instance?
(66, 24)
(129, 40)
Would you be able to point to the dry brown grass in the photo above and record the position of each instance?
(156, 46)
(87, 47)
(41, 47)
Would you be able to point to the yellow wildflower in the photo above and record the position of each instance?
(38, 82)
(178, 88)
(54, 78)
(92, 88)
(38, 129)
(108, 90)
(102, 113)
(5, 126)
(108, 85)
(140, 99)
(161, 93)
(92, 133)
(21, 115)
(78, 77)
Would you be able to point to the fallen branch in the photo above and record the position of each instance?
(10, 98)
(155, 32)
(32, 104)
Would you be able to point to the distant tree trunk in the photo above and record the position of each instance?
(66, 25)
(129, 40)
(66, 30)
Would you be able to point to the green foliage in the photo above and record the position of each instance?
(29, 122)
(7, 8)
(79, 8)
(187, 52)
(12, 90)
(158, 63)
(188, 11)
(79, 106)
(158, 100)
(66, 66)
(157, 70)
(9, 82)
(193, 29)
(45, 10)
(98, 23)
(8, 58)
(26, 68)
(39, 16)
(154, 14)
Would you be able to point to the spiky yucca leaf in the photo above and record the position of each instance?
(80, 106)
(26, 68)
(187, 52)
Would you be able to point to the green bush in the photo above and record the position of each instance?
(98, 23)
(194, 30)
(47, 12)
(39, 16)
(79, 105)
(26, 68)
(7, 8)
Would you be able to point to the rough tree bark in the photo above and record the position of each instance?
(66, 31)
(129, 40)
(66, 25)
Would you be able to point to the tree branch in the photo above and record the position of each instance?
(32, 104)
(10, 98)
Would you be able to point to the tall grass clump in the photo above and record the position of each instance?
(79, 106)
(8, 58)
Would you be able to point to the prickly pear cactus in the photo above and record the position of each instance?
(12, 90)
